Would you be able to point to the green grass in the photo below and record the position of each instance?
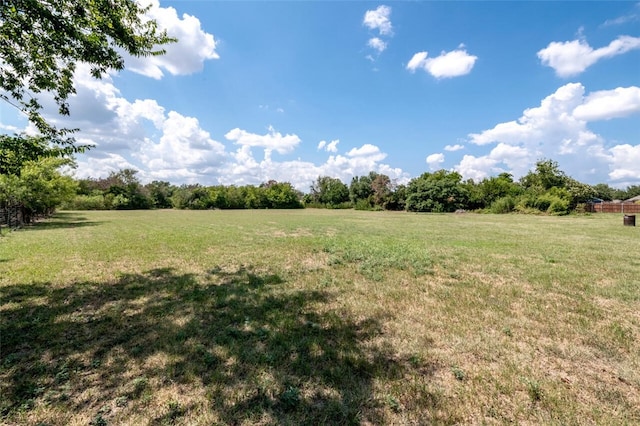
(320, 317)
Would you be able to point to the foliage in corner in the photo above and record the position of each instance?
(42, 41)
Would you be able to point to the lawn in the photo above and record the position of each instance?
(319, 317)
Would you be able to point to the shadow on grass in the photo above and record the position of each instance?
(62, 220)
(258, 352)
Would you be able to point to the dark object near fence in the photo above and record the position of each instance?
(11, 216)
(629, 220)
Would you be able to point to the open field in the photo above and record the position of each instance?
(320, 317)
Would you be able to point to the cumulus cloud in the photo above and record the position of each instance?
(271, 141)
(449, 64)
(571, 58)
(608, 104)
(435, 160)
(245, 169)
(515, 159)
(187, 56)
(329, 146)
(378, 19)
(365, 150)
(377, 44)
(558, 129)
(166, 145)
(184, 145)
(552, 121)
(452, 148)
(624, 162)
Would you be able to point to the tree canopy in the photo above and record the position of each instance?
(42, 41)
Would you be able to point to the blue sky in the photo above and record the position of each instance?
(293, 90)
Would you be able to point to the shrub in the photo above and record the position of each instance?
(85, 202)
(362, 204)
(503, 205)
(559, 206)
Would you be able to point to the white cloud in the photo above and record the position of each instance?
(435, 160)
(272, 141)
(378, 19)
(417, 61)
(558, 129)
(187, 56)
(608, 104)
(330, 146)
(377, 44)
(551, 122)
(452, 148)
(183, 146)
(622, 20)
(476, 168)
(165, 145)
(366, 151)
(624, 162)
(516, 159)
(245, 169)
(570, 58)
(449, 64)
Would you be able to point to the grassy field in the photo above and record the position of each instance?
(320, 317)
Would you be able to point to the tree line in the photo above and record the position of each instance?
(32, 181)
(545, 189)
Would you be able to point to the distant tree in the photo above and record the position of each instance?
(41, 188)
(160, 193)
(361, 191)
(382, 190)
(496, 187)
(604, 191)
(441, 191)
(195, 197)
(281, 195)
(630, 192)
(547, 175)
(29, 175)
(235, 197)
(127, 193)
(579, 192)
(397, 198)
(254, 197)
(218, 197)
(329, 191)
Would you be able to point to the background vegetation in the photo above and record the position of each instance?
(546, 189)
(31, 181)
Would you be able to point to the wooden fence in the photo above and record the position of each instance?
(625, 208)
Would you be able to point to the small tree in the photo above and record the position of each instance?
(441, 191)
(329, 191)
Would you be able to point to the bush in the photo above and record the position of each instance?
(559, 206)
(362, 204)
(552, 204)
(503, 205)
(85, 202)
